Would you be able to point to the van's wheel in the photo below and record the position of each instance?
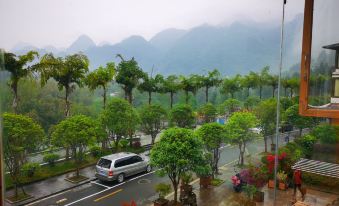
(121, 178)
(148, 168)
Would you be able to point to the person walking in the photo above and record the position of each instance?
(297, 179)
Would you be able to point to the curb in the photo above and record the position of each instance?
(58, 192)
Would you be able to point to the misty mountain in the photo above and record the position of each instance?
(237, 48)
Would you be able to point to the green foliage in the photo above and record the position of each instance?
(178, 151)
(186, 178)
(306, 143)
(238, 129)
(251, 102)
(231, 85)
(120, 118)
(21, 135)
(229, 106)
(325, 133)
(281, 176)
(77, 133)
(182, 116)
(51, 158)
(250, 81)
(213, 134)
(212, 79)
(292, 116)
(100, 78)
(152, 119)
(190, 84)
(208, 112)
(30, 168)
(216, 182)
(249, 190)
(123, 143)
(129, 74)
(163, 189)
(151, 85)
(171, 85)
(96, 151)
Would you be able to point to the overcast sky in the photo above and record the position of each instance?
(60, 22)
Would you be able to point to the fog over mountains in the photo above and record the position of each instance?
(232, 49)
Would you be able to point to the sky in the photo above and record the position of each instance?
(60, 22)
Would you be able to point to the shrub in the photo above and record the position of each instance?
(325, 133)
(29, 169)
(306, 143)
(51, 158)
(123, 143)
(96, 151)
(249, 190)
(163, 189)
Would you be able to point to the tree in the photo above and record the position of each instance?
(182, 116)
(77, 133)
(18, 67)
(251, 102)
(121, 119)
(213, 135)
(171, 85)
(294, 85)
(238, 129)
(285, 84)
(273, 82)
(263, 79)
(20, 136)
(231, 85)
(229, 106)
(151, 85)
(68, 72)
(190, 84)
(177, 152)
(129, 76)
(100, 78)
(266, 112)
(292, 116)
(152, 118)
(211, 80)
(250, 81)
(208, 113)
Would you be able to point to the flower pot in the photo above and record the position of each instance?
(205, 181)
(259, 196)
(270, 183)
(185, 190)
(160, 202)
(282, 186)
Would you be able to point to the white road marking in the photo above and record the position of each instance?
(97, 183)
(84, 198)
(60, 201)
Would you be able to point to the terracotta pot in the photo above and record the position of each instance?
(270, 183)
(205, 181)
(259, 196)
(282, 186)
(160, 202)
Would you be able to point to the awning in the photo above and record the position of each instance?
(317, 167)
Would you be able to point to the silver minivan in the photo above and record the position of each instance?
(120, 165)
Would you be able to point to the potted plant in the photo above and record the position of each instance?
(185, 187)
(204, 173)
(163, 189)
(250, 190)
(282, 176)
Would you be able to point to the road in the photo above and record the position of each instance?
(138, 188)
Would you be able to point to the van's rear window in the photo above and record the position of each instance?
(105, 163)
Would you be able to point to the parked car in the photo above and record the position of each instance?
(120, 165)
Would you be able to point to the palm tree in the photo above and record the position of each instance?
(231, 85)
(129, 74)
(151, 85)
(263, 79)
(171, 85)
(18, 67)
(190, 84)
(273, 82)
(250, 81)
(100, 78)
(211, 80)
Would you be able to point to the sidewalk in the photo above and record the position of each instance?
(52, 185)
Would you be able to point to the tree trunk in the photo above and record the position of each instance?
(186, 92)
(149, 98)
(175, 187)
(248, 91)
(104, 95)
(260, 92)
(171, 99)
(153, 136)
(130, 97)
(67, 106)
(273, 91)
(232, 95)
(126, 93)
(285, 88)
(206, 93)
(265, 140)
(300, 132)
(14, 87)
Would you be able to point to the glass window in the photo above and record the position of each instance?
(105, 163)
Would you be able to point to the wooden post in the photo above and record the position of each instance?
(335, 122)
